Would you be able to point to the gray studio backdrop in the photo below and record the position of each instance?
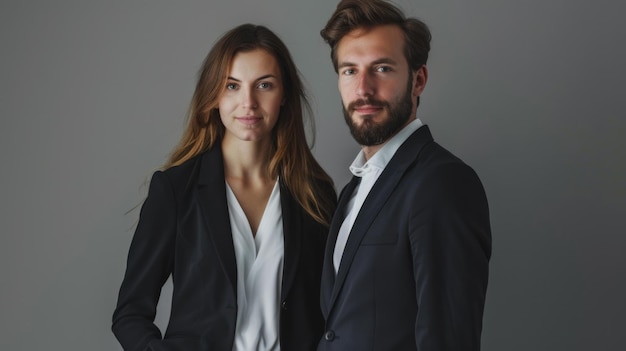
(530, 93)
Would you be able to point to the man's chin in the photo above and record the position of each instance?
(363, 123)
(357, 116)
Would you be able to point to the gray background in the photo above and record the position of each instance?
(530, 93)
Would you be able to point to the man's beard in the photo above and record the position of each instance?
(370, 133)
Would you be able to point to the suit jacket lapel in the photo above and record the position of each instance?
(328, 270)
(214, 208)
(291, 232)
(404, 157)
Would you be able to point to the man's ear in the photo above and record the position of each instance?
(420, 77)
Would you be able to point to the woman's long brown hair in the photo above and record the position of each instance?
(291, 157)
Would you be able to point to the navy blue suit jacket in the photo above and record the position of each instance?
(414, 271)
(184, 230)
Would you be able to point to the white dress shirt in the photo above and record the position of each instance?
(369, 172)
(259, 274)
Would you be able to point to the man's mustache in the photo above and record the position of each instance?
(370, 102)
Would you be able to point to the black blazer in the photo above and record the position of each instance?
(414, 270)
(184, 230)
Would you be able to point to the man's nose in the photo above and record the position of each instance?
(364, 85)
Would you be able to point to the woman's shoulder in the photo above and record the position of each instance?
(188, 171)
(184, 167)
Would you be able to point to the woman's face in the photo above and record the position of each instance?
(252, 97)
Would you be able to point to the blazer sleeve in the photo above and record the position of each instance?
(451, 245)
(150, 262)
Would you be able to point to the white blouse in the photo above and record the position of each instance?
(259, 274)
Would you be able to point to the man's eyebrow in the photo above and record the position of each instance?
(386, 60)
(346, 64)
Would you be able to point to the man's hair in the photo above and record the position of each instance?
(353, 14)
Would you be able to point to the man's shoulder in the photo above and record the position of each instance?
(433, 162)
(424, 152)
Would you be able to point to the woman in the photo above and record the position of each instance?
(238, 217)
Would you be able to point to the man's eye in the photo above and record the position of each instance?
(383, 69)
(348, 72)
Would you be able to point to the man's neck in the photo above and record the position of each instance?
(369, 151)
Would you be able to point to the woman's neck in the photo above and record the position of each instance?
(246, 160)
(246, 171)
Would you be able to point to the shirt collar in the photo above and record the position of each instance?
(381, 158)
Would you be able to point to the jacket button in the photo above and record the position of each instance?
(329, 335)
(283, 305)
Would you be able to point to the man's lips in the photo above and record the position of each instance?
(367, 109)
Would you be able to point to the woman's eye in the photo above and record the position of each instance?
(231, 86)
(265, 85)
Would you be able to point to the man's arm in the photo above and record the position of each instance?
(451, 246)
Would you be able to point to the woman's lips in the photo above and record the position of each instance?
(248, 119)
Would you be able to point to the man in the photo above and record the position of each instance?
(406, 263)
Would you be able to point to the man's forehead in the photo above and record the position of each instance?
(383, 42)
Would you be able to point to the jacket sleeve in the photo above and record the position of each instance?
(150, 262)
(451, 246)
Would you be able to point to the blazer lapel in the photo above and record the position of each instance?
(404, 157)
(291, 233)
(214, 208)
(328, 270)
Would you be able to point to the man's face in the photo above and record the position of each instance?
(377, 88)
